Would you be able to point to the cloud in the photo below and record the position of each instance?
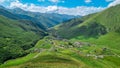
(54, 1)
(57, 1)
(1, 1)
(88, 1)
(32, 7)
(80, 10)
(115, 2)
(18, 4)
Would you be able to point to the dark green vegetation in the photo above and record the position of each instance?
(16, 36)
(91, 42)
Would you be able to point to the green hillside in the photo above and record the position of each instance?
(94, 26)
(16, 37)
(68, 29)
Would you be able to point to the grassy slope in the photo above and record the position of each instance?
(109, 18)
(45, 58)
(66, 58)
(18, 61)
(110, 41)
(96, 24)
(16, 37)
(11, 29)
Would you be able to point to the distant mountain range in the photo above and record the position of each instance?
(46, 19)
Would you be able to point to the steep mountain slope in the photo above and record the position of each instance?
(68, 29)
(94, 26)
(16, 36)
(47, 19)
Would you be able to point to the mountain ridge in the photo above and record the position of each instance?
(47, 19)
